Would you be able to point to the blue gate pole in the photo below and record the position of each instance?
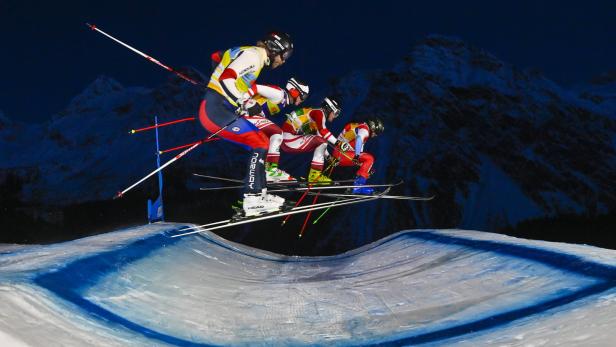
(160, 173)
(155, 210)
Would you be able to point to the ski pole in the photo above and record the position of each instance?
(304, 195)
(324, 212)
(343, 154)
(160, 125)
(321, 215)
(120, 194)
(179, 74)
(314, 201)
(186, 145)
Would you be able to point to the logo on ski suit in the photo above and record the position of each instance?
(252, 170)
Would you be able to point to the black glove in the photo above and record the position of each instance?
(249, 107)
(356, 160)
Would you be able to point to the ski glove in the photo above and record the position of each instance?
(344, 147)
(356, 160)
(249, 107)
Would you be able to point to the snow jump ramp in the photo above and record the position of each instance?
(432, 287)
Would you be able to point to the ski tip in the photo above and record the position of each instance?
(118, 195)
(92, 26)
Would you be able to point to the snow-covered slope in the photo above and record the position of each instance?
(440, 287)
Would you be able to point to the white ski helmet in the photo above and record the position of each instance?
(330, 105)
(297, 89)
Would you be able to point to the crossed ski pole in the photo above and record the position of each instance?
(330, 167)
(326, 210)
(299, 201)
(314, 201)
(169, 162)
(186, 145)
(177, 73)
(156, 126)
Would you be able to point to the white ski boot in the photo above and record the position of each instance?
(274, 174)
(256, 204)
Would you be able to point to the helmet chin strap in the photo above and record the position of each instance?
(269, 60)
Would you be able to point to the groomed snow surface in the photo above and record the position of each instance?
(432, 287)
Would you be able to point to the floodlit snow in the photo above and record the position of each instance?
(433, 287)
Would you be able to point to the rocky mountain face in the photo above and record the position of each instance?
(85, 152)
(495, 144)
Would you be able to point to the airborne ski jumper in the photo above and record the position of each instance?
(225, 101)
(234, 108)
(356, 135)
(272, 100)
(305, 130)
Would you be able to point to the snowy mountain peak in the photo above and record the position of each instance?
(438, 40)
(103, 85)
(453, 52)
(101, 91)
(100, 87)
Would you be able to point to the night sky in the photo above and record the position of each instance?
(48, 55)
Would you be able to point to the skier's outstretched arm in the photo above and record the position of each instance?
(274, 94)
(319, 118)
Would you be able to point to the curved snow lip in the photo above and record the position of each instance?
(73, 280)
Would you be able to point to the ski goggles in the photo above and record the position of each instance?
(330, 106)
(285, 55)
(296, 90)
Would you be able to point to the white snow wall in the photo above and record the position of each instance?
(437, 287)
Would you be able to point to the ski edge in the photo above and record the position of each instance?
(393, 197)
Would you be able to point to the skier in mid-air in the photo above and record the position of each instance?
(305, 130)
(356, 135)
(272, 100)
(226, 100)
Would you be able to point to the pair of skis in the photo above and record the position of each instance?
(295, 210)
(298, 186)
(341, 200)
(280, 185)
